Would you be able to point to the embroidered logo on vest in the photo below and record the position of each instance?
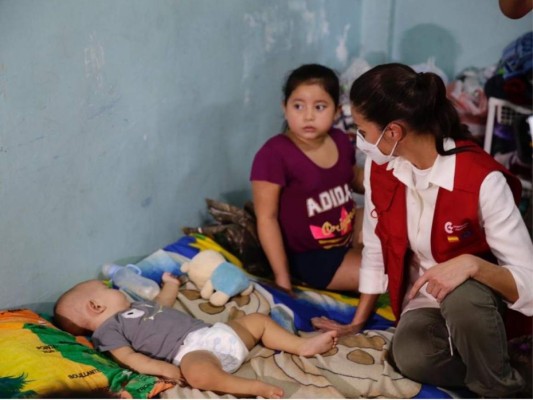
(457, 232)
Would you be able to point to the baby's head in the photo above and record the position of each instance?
(87, 305)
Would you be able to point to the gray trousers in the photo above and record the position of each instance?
(469, 324)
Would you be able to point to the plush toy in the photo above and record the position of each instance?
(217, 279)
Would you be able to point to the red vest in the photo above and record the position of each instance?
(456, 229)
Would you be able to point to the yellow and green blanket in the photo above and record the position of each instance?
(39, 360)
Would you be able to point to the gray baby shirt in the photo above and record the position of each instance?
(148, 328)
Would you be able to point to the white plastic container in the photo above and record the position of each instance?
(129, 279)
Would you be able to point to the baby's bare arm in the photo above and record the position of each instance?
(146, 365)
(169, 290)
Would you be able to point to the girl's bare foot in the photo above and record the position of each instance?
(318, 344)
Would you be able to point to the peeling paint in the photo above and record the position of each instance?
(272, 28)
(275, 28)
(269, 24)
(94, 61)
(316, 22)
(341, 51)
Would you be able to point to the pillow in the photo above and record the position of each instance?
(40, 360)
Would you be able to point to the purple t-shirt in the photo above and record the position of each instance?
(316, 209)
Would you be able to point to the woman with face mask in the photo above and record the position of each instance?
(441, 233)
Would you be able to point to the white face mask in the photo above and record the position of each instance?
(372, 150)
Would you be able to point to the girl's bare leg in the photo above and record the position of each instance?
(256, 327)
(202, 370)
(347, 275)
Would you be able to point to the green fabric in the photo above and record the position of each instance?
(138, 385)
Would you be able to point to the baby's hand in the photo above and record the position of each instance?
(178, 377)
(171, 371)
(169, 278)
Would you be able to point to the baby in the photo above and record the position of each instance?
(152, 338)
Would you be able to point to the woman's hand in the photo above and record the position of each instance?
(444, 278)
(326, 324)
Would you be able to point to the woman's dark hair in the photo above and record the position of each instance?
(395, 92)
(309, 74)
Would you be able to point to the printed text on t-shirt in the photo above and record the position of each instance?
(329, 199)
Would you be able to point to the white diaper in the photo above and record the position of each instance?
(220, 340)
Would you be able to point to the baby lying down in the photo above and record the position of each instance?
(152, 338)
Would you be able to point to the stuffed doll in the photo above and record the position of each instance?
(217, 279)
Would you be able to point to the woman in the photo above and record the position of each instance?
(441, 232)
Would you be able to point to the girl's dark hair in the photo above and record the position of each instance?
(395, 92)
(309, 74)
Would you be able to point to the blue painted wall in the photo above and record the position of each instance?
(117, 118)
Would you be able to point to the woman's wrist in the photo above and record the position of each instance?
(357, 325)
(473, 265)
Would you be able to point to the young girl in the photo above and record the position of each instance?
(302, 181)
(441, 232)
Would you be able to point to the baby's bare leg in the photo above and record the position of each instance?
(202, 370)
(256, 327)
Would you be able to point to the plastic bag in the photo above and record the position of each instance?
(236, 230)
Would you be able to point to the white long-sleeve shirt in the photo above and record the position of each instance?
(505, 231)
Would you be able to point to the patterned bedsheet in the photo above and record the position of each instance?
(357, 368)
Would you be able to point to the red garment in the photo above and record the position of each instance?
(456, 229)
